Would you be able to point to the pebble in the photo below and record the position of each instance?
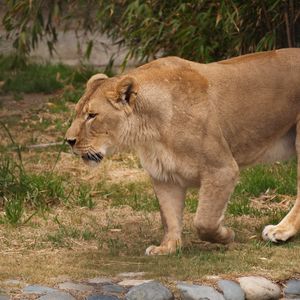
(101, 297)
(259, 288)
(57, 296)
(133, 282)
(198, 292)
(231, 290)
(149, 291)
(292, 290)
(38, 289)
(75, 286)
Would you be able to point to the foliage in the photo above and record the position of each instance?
(200, 30)
(43, 78)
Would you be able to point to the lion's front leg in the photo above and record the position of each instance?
(216, 188)
(171, 201)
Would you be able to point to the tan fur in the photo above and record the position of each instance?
(195, 125)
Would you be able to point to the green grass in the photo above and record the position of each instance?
(42, 78)
(138, 195)
(21, 190)
(279, 179)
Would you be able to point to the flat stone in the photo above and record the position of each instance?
(292, 290)
(133, 282)
(38, 289)
(149, 291)
(75, 286)
(113, 288)
(13, 282)
(256, 287)
(131, 274)
(57, 296)
(4, 297)
(99, 280)
(198, 292)
(101, 297)
(231, 290)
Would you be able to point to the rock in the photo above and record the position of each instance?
(231, 290)
(75, 286)
(98, 280)
(149, 291)
(113, 288)
(13, 282)
(38, 289)
(131, 274)
(57, 296)
(292, 290)
(198, 292)
(133, 282)
(101, 297)
(211, 277)
(259, 288)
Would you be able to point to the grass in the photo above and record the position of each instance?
(41, 78)
(21, 190)
(98, 224)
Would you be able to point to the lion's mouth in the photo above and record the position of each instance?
(95, 157)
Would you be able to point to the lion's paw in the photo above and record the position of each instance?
(157, 250)
(164, 249)
(276, 233)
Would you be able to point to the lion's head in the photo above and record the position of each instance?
(102, 116)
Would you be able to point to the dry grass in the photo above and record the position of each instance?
(79, 243)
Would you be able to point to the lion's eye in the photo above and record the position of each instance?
(91, 116)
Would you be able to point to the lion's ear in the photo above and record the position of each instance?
(95, 79)
(127, 91)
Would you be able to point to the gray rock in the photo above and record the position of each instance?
(101, 297)
(57, 296)
(259, 288)
(198, 292)
(292, 290)
(38, 289)
(149, 291)
(113, 288)
(4, 297)
(75, 286)
(231, 290)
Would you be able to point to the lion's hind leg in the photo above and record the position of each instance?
(290, 224)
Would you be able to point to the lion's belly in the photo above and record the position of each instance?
(162, 165)
(279, 149)
(282, 149)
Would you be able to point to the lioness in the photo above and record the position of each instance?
(196, 125)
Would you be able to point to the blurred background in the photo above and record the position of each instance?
(126, 32)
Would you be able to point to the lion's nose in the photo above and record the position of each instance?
(71, 142)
